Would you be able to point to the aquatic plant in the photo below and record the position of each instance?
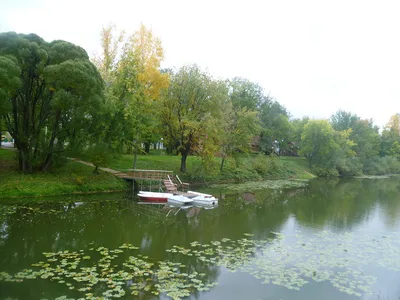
(259, 185)
(290, 261)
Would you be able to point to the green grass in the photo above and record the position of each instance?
(154, 162)
(244, 168)
(71, 178)
(297, 167)
(74, 177)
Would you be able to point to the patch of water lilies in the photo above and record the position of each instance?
(293, 261)
(260, 185)
(81, 272)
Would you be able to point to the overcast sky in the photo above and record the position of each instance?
(314, 57)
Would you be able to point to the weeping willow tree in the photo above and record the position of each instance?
(50, 93)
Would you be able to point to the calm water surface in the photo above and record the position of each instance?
(335, 239)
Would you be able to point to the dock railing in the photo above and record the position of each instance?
(138, 174)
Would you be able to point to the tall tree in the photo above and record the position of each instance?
(9, 84)
(391, 137)
(318, 143)
(131, 69)
(239, 122)
(275, 126)
(296, 129)
(189, 104)
(245, 94)
(59, 93)
(106, 62)
(343, 120)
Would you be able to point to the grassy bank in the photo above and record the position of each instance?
(241, 168)
(71, 178)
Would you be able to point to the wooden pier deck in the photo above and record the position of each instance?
(162, 177)
(137, 174)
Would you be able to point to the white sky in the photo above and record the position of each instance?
(314, 57)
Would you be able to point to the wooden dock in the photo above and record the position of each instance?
(155, 178)
(159, 179)
(137, 174)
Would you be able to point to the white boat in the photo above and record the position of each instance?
(202, 200)
(206, 206)
(179, 200)
(154, 196)
(199, 194)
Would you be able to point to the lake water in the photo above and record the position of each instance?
(336, 239)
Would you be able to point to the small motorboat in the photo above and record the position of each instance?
(179, 200)
(203, 199)
(206, 206)
(154, 196)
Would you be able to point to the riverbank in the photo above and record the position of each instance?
(70, 178)
(242, 168)
(76, 178)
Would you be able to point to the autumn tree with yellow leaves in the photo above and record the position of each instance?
(131, 69)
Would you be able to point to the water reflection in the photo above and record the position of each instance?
(29, 229)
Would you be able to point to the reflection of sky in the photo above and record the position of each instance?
(374, 222)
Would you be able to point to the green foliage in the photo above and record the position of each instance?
(381, 165)
(99, 155)
(349, 166)
(325, 172)
(191, 102)
(318, 143)
(54, 91)
(275, 127)
(70, 178)
(245, 94)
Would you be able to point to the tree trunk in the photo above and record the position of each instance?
(24, 163)
(135, 155)
(48, 162)
(96, 170)
(222, 163)
(183, 162)
(135, 149)
(147, 147)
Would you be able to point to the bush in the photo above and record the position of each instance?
(325, 172)
(381, 165)
(99, 155)
(392, 164)
(349, 167)
(261, 164)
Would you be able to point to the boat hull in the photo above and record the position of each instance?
(205, 201)
(154, 197)
(179, 200)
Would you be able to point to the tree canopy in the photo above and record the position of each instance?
(50, 92)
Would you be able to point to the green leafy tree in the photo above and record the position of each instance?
(343, 120)
(59, 92)
(190, 104)
(318, 143)
(239, 126)
(391, 137)
(275, 133)
(296, 129)
(245, 94)
(131, 69)
(363, 132)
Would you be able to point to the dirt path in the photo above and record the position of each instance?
(108, 170)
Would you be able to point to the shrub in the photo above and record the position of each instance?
(99, 155)
(325, 172)
(261, 164)
(349, 167)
